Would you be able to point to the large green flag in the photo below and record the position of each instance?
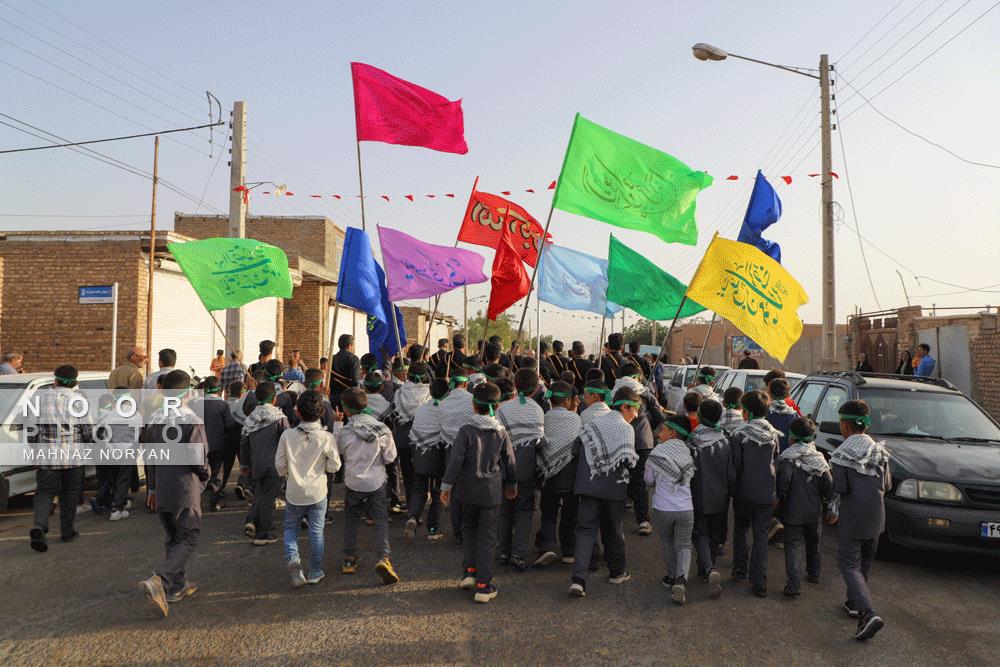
(637, 283)
(227, 273)
(609, 177)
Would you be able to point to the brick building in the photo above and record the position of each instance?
(415, 324)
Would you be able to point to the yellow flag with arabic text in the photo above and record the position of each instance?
(751, 290)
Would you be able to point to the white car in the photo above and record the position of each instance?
(14, 391)
(678, 384)
(749, 379)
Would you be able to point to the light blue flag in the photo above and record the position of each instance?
(575, 281)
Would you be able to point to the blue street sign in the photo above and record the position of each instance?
(95, 294)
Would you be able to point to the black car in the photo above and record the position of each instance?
(944, 455)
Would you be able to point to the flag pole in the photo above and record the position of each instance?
(221, 331)
(395, 328)
(701, 355)
(538, 331)
(670, 331)
(361, 184)
(329, 346)
(482, 348)
(534, 271)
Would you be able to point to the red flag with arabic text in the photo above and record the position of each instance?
(486, 218)
(510, 282)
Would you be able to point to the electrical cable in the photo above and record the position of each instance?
(102, 141)
(861, 39)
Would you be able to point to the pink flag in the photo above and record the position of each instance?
(394, 111)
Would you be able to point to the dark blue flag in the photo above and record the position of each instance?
(381, 338)
(762, 212)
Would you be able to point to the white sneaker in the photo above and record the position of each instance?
(128, 504)
(118, 515)
(645, 528)
(279, 504)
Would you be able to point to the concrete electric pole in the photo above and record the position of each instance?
(237, 206)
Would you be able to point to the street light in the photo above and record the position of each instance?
(706, 52)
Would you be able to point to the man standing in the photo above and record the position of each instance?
(457, 355)
(345, 370)
(612, 358)
(640, 361)
(579, 364)
(58, 432)
(129, 374)
(11, 363)
(266, 348)
(234, 371)
(441, 360)
(218, 363)
(925, 362)
(167, 359)
(864, 366)
(558, 359)
(748, 361)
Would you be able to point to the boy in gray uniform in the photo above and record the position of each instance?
(262, 430)
(710, 492)
(861, 477)
(754, 474)
(805, 486)
(482, 473)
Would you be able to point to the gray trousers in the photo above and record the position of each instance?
(515, 521)
(794, 537)
(479, 539)
(593, 515)
(756, 517)
(708, 536)
(64, 483)
(182, 529)
(262, 511)
(674, 529)
(855, 558)
(372, 503)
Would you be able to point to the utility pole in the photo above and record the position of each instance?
(237, 206)
(829, 361)
(152, 257)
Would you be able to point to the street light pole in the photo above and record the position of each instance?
(704, 51)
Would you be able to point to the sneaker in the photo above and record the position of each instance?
(118, 515)
(485, 592)
(546, 558)
(868, 626)
(739, 575)
(434, 533)
(791, 592)
(397, 508)
(503, 559)
(851, 610)
(315, 577)
(714, 585)
(69, 538)
(468, 582)
(186, 592)
(760, 592)
(82, 508)
(279, 504)
(410, 529)
(813, 579)
(128, 504)
(37, 537)
(295, 570)
(518, 564)
(678, 591)
(349, 566)
(667, 582)
(219, 505)
(250, 530)
(578, 588)
(567, 560)
(153, 588)
(248, 495)
(645, 528)
(384, 569)
(264, 541)
(328, 520)
(773, 529)
(619, 578)
(240, 492)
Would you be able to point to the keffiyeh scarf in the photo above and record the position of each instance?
(456, 411)
(262, 416)
(485, 423)
(407, 399)
(379, 406)
(367, 427)
(703, 437)
(805, 457)
(425, 433)
(525, 422)
(861, 453)
(609, 441)
(780, 407)
(596, 410)
(758, 432)
(562, 428)
(673, 460)
(631, 383)
(731, 419)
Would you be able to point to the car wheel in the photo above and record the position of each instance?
(4, 493)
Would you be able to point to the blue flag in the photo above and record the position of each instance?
(763, 211)
(361, 285)
(575, 281)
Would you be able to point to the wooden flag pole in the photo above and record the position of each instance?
(482, 348)
(329, 346)
(437, 300)
(534, 271)
(361, 185)
(670, 331)
(395, 328)
(221, 331)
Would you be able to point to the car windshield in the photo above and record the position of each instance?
(927, 414)
(755, 382)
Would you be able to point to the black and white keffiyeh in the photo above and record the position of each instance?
(758, 432)
(485, 423)
(426, 430)
(525, 422)
(780, 407)
(562, 428)
(703, 390)
(805, 456)
(367, 427)
(262, 416)
(379, 406)
(731, 420)
(456, 411)
(705, 438)
(631, 383)
(407, 399)
(596, 410)
(673, 460)
(608, 442)
(861, 453)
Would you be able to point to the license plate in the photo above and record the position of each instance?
(990, 529)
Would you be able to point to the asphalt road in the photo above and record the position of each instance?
(79, 604)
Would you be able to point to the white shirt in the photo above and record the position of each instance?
(305, 454)
(150, 382)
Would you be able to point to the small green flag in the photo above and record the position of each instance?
(227, 273)
(637, 283)
(609, 177)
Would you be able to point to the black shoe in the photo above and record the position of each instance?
(70, 538)
(503, 558)
(868, 626)
(592, 566)
(578, 587)
(739, 575)
(760, 592)
(791, 592)
(851, 610)
(813, 579)
(240, 492)
(38, 543)
(667, 582)
(518, 564)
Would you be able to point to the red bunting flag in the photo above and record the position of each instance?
(787, 180)
(552, 186)
(395, 111)
(510, 282)
(488, 216)
(732, 178)
(410, 197)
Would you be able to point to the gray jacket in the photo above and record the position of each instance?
(260, 447)
(481, 463)
(754, 468)
(612, 486)
(178, 487)
(802, 496)
(862, 508)
(218, 421)
(710, 485)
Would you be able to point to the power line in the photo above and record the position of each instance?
(861, 39)
(102, 141)
(904, 36)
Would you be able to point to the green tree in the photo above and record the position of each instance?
(642, 331)
(503, 327)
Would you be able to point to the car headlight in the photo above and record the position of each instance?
(921, 490)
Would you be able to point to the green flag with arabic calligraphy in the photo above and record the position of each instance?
(610, 177)
(637, 283)
(228, 273)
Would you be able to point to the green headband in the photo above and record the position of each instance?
(65, 380)
(315, 383)
(709, 424)
(860, 420)
(457, 379)
(365, 410)
(677, 428)
(558, 394)
(492, 404)
(273, 378)
(803, 438)
(520, 398)
(734, 406)
(213, 390)
(708, 378)
(595, 390)
(505, 395)
(625, 401)
(374, 383)
(419, 377)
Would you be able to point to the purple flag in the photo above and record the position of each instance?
(417, 270)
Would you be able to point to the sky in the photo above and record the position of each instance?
(93, 70)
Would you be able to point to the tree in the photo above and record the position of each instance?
(642, 331)
(503, 327)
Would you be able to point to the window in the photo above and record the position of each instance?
(723, 382)
(807, 399)
(93, 384)
(678, 378)
(828, 410)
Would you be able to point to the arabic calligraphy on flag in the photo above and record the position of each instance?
(489, 216)
(228, 273)
(575, 281)
(610, 177)
(753, 291)
(417, 270)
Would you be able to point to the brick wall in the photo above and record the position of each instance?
(984, 351)
(42, 318)
(304, 321)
